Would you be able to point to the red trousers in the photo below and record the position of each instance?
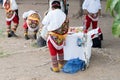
(15, 20)
(88, 22)
(53, 50)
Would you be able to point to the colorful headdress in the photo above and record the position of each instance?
(34, 16)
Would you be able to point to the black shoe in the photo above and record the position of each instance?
(9, 35)
(26, 37)
(13, 34)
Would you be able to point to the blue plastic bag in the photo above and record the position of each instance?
(73, 66)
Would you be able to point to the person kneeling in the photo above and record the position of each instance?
(31, 22)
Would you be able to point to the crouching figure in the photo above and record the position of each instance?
(31, 23)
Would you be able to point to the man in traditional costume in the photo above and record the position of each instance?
(31, 22)
(55, 22)
(11, 10)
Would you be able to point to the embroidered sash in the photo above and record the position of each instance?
(9, 13)
(58, 36)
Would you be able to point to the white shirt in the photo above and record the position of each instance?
(13, 4)
(92, 6)
(54, 19)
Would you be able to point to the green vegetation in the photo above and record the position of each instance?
(3, 54)
(114, 7)
(34, 44)
(1, 32)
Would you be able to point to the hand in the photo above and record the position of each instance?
(85, 31)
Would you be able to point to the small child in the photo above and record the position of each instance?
(92, 9)
(31, 22)
(55, 22)
(11, 10)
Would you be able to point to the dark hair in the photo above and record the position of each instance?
(56, 4)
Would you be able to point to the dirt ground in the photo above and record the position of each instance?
(21, 60)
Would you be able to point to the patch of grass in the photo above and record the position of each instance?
(34, 44)
(1, 32)
(3, 54)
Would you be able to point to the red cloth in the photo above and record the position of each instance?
(15, 20)
(99, 30)
(25, 25)
(88, 22)
(53, 50)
